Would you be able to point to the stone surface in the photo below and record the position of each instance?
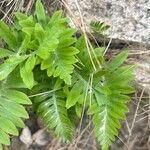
(129, 19)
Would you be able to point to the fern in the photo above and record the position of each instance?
(33, 41)
(99, 27)
(59, 62)
(11, 111)
(43, 58)
(51, 108)
(109, 91)
(109, 96)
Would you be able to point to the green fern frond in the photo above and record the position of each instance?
(99, 27)
(11, 112)
(111, 98)
(51, 108)
(9, 65)
(40, 12)
(53, 43)
(60, 54)
(109, 88)
(7, 35)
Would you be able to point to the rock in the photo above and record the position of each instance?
(17, 144)
(26, 136)
(38, 140)
(129, 19)
(142, 72)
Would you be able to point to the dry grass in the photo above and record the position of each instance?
(8, 7)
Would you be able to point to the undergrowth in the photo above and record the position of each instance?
(43, 64)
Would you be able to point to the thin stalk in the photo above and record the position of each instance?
(43, 93)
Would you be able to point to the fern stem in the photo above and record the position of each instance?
(43, 93)
(84, 105)
(90, 92)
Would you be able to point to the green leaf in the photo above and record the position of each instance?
(7, 35)
(49, 44)
(1, 147)
(33, 45)
(103, 90)
(9, 65)
(25, 44)
(65, 42)
(118, 60)
(14, 108)
(26, 72)
(17, 96)
(55, 19)
(62, 65)
(93, 109)
(7, 126)
(14, 80)
(54, 113)
(74, 95)
(16, 120)
(30, 63)
(46, 64)
(39, 32)
(67, 33)
(20, 16)
(105, 127)
(40, 12)
(5, 53)
(29, 22)
(28, 30)
(78, 109)
(122, 74)
(109, 96)
(81, 44)
(27, 77)
(99, 27)
(4, 138)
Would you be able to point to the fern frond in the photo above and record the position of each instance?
(59, 56)
(40, 12)
(99, 27)
(26, 72)
(111, 99)
(77, 92)
(109, 88)
(9, 65)
(7, 35)
(11, 112)
(60, 61)
(52, 42)
(51, 108)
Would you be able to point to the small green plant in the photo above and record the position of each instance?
(99, 27)
(44, 61)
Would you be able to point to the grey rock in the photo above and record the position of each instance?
(129, 19)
